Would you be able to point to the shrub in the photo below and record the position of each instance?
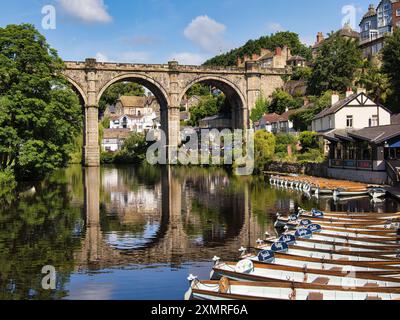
(309, 140)
(264, 149)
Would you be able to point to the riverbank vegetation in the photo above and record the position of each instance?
(133, 151)
(288, 148)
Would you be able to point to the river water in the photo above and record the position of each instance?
(137, 233)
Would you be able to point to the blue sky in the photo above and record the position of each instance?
(156, 31)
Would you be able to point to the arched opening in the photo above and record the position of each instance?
(77, 155)
(155, 98)
(136, 112)
(218, 99)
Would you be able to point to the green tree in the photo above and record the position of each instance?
(377, 84)
(301, 73)
(114, 92)
(209, 106)
(39, 114)
(309, 140)
(199, 89)
(281, 100)
(264, 149)
(271, 42)
(133, 150)
(391, 66)
(303, 118)
(259, 109)
(335, 66)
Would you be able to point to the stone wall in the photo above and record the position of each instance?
(371, 177)
(311, 169)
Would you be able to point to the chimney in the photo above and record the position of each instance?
(239, 61)
(335, 98)
(320, 37)
(287, 109)
(278, 51)
(255, 57)
(349, 92)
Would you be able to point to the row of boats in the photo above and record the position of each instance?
(319, 186)
(318, 256)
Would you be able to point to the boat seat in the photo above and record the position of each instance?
(315, 296)
(337, 269)
(371, 285)
(343, 259)
(321, 281)
(369, 298)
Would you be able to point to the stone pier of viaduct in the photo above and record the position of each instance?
(169, 83)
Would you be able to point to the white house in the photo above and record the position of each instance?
(356, 111)
(276, 123)
(113, 139)
(135, 123)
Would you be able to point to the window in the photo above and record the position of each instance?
(374, 121)
(367, 26)
(349, 122)
(398, 13)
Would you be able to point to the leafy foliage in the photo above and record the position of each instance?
(282, 100)
(303, 118)
(391, 66)
(39, 114)
(133, 150)
(264, 149)
(279, 39)
(209, 105)
(309, 140)
(261, 107)
(335, 66)
(198, 89)
(301, 73)
(376, 83)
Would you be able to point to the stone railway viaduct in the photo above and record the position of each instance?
(169, 83)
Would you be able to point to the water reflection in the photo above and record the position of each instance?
(104, 229)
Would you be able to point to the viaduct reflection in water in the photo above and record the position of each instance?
(175, 217)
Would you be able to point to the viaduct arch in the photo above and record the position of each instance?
(169, 83)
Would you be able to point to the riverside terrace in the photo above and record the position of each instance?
(370, 155)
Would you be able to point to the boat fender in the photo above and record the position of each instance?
(244, 266)
(266, 256)
(303, 233)
(289, 239)
(305, 223)
(293, 218)
(224, 285)
(314, 228)
(280, 247)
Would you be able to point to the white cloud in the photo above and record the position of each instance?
(87, 10)
(274, 27)
(188, 58)
(101, 57)
(207, 33)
